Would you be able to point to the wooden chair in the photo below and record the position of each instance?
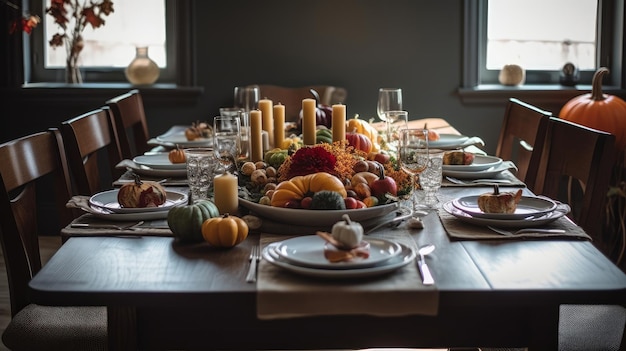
(522, 125)
(91, 143)
(292, 97)
(130, 122)
(29, 167)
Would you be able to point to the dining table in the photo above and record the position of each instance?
(489, 290)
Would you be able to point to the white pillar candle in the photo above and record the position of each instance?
(308, 121)
(279, 125)
(339, 122)
(265, 105)
(256, 141)
(226, 193)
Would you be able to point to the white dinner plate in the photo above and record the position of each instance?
(504, 223)
(322, 218)
(406, 256)
(448, 141)
(158, 161)
(528, 206)
(180, 140)
(308, 251)
(487, 173)
(480, 163)
(125, 217)
(107, 201)
(153, 172)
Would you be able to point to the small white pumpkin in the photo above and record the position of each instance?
(512, 75)
(348, 233)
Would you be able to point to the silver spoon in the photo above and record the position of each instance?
(427, 278)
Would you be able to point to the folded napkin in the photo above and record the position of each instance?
(506, 174)
(154, 227)
(281, 294)
(129, 176)
(458, 229)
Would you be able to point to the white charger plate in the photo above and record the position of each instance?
(158, 161)
(152, 172)
(180, 140)
(308, 251)
(504, 223)
(406, 256)
(107, 201)
(487, 173)
(316, 217)
(448, 141)
(528, 206)
(481, 163)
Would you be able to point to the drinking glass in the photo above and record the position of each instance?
(247, 97)
(430, 179)
(393, 136)
(227, 141)
(389, 99)
(413, 156)
(201, 163)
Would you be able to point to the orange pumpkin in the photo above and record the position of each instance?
(177, 156)
(599, 111)
(141, 194)
(359, 141)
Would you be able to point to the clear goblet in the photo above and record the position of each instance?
(227, 141)
(389, 99)
(413, 156)
(247, 97)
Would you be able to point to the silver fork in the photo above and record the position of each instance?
(525, 230)
(255, 256)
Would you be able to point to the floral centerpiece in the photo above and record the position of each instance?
(72, 16)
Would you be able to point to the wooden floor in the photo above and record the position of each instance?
(48, 245)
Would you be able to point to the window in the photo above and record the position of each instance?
(541, 36)
(110, 48)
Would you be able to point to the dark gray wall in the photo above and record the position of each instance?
(361, 45)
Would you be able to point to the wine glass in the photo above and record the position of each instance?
(247, 97)
(413, 155)
(389, 99)
(227, 141)
(392, 132)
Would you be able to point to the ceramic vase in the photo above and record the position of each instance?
(142, 69)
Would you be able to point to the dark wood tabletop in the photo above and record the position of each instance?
(164, 295)
(496, 293)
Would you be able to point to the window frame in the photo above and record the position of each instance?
(476, 76)
(178, 70)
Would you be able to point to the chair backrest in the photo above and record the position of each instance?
(92, 149)
(130, 122)
(573, 164)
(522, 125)
(30, 168)
(292, 97)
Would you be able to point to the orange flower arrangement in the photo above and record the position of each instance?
(73, 16)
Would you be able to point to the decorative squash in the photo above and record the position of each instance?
(347, 232)
(359, 141)
(300, 186)
(357, 125)
(323, 113)
(327, 200)
(141, 194)
(599, 111)
(225, 231)
(177, 155)
(323, 135)
(186, 221)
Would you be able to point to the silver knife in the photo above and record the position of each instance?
(427, 278)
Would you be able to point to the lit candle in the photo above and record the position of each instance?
(265, 105)
(308, 121)
(339, 122)
(256, 142)
(226, 193)
(279, 125)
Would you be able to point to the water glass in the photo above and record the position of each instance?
(430, 179)
(227, 141)
(247, 97)
(201, 164)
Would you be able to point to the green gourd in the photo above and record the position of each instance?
(327, 200)
(324, 135)
(185, 222)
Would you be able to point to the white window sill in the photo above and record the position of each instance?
(498, 94)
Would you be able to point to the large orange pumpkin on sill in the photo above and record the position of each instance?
(599, 111)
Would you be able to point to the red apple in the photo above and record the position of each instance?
(306, 202)
(360, 204)
(384, 184)
(382, 158)
(293, 204)
(351, 203)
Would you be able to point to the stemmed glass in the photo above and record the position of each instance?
(389, 99)
(227, 141)
(247, 97)
(413, 155)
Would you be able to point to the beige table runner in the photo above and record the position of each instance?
(282, 294)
